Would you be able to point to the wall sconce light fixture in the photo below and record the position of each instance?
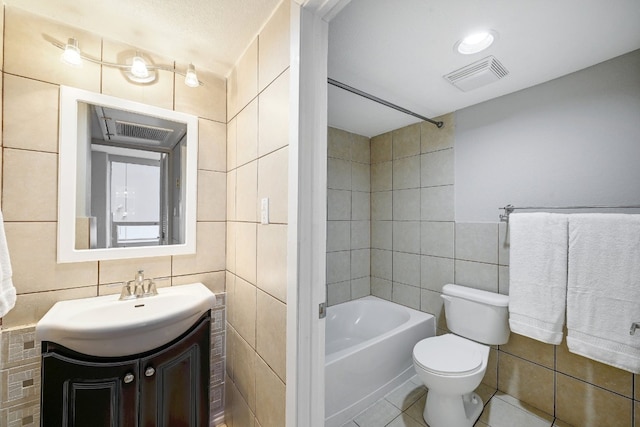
(71, 54)
(136, 69)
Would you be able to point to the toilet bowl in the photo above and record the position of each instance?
(452, 366)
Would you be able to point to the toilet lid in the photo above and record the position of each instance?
(447, 355)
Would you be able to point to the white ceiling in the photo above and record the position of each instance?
(210, 33)
(399, 50)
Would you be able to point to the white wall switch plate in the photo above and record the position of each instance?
(264, 211)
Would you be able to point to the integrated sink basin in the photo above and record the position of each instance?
(108, 327)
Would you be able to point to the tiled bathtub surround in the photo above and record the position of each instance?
(412, 228)
(417, 247)
(348, 217)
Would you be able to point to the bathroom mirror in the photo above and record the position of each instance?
(127, 177)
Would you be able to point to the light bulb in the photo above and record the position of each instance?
(191, 79)
(71, 55)
(139, 68)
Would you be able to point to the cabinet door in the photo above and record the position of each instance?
(175, 383)
(77, 393)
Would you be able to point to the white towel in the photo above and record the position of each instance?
(538, 275)
(7, 291)
(603, 296)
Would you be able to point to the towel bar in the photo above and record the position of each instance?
(634, 326)
(508, 210)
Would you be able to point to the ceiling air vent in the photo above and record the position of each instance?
(480, 73)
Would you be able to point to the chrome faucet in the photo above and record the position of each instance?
(138, 287)
(138, 282)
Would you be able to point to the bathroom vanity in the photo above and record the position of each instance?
(128, 361)
(168, 386)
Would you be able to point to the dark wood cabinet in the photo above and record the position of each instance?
(174, 385)
(84, 393)
(166, 387)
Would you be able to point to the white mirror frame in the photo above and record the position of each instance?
(67, 180)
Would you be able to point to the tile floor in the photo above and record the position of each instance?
(403, 408)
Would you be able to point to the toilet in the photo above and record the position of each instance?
(451, 366)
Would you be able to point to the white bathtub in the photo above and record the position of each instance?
(369, 343)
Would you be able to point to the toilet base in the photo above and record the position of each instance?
(443, 410)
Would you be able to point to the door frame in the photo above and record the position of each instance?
(306, 264)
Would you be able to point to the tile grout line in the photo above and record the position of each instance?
(555, 382)
(567, 375)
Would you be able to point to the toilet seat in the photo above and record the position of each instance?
(448, 355)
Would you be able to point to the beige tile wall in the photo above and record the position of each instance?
(30, 145)
(31, 76)
(257, 168)
(577, 390)
(412, 228)
(348, 216)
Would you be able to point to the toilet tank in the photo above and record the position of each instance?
(475, 314)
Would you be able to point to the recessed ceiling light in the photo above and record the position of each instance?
(476, 42)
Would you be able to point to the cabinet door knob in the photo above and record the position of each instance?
(128, 378)
(149, 371)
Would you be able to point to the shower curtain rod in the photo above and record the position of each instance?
(510, 208)
(382, 101)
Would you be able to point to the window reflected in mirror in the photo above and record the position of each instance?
(133, 169)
